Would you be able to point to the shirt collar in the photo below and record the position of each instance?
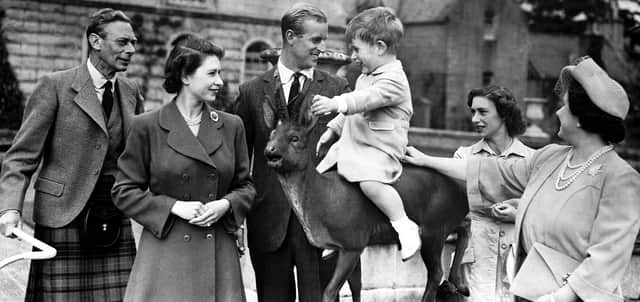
(97, 77)
(516, 148)
(391, 66)
(286, 73)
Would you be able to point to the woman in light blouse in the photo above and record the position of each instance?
(581, 199)
(496, 116)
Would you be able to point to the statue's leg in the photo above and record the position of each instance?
(347, 261)
(355, 282)
(431, 253)
(455, 275)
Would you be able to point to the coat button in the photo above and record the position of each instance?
(501, 233)
(504, 246)
(208, 236)
(212, 196)
(98, 146)
(187, 238)
(186, 197)
(185, 177)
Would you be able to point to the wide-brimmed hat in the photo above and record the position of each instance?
(603, 91)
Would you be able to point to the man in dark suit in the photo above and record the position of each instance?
(276, 240)
(75, 123)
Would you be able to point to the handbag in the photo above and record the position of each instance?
(101, 225)
(544, 270)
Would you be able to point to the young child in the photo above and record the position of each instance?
(373, 123)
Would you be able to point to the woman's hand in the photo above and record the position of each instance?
(563, 294)
(188, 210)
(323, 105)
(504, 212)
(546, 298)
(9, 220)
(213, 212)
(415, 157)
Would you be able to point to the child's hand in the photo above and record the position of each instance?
(326, 139)
(323, 105)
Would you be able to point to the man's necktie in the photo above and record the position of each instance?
(295, 87)
(107, 99)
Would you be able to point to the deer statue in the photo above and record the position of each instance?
(335, 214)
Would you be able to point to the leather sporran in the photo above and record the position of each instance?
(101, 225)
(101, 220)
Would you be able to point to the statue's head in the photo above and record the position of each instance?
(290, 145)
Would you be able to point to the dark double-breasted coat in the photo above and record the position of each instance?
(163, 162)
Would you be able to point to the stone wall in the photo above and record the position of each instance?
(46, 36)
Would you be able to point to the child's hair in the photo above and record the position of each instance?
(376, 24)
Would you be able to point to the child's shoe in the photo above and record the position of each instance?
(409, 237)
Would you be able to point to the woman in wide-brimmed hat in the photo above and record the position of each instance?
(580, 201)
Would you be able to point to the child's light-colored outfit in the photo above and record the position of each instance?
(374, 129)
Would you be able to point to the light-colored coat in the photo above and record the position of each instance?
(374, 132)
(163, 162)
(64, 128)
(595, 220)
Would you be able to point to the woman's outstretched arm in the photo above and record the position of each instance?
(453, 167)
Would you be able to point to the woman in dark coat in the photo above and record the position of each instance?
(184, 175)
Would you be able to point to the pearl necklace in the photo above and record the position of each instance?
(192, 121)
(580, 168)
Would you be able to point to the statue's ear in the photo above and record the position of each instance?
(268, 115)
(305, 116)
(308, 120)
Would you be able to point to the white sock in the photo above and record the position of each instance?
(401, 223)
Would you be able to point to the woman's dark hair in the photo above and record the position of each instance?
(593, 119)
(506, 106)
(185, 57)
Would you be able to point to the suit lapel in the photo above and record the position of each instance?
(180, 137)
(86, 97)
(311, 88)
(210, 133)
(271, 85)
(127, 102)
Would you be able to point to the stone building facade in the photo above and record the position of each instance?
(45, 36)
(450, 46)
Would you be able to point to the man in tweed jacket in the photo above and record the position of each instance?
(74, 126)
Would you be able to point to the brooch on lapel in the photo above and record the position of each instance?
(213, 116)
(593, 171)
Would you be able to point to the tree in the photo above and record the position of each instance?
(10, 95)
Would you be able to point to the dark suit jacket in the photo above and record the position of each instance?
(257, 103)
(164, 162)
(64, 128)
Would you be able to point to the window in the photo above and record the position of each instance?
(253, 64)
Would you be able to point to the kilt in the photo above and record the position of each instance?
(81, 272)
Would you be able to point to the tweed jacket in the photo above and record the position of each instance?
(63, 129)
(258, 105)
(163, 162)
(374, 132)
(595, 220)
